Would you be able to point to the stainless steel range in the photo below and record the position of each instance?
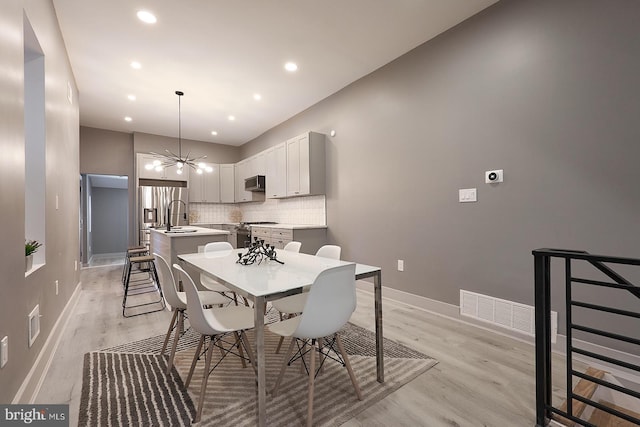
(244, 232)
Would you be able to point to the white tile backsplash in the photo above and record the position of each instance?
(298, 210)
(210, 213)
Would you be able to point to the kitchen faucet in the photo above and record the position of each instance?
(169, 212)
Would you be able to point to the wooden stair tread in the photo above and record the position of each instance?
(584, 388)
(605, 419)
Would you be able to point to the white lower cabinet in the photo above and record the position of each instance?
(280, 237)
(311, 238)
(263, 233)
(233, 235)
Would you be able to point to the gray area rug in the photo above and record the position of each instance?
(127, 385)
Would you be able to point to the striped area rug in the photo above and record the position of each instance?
(128, 389)
(127, 385)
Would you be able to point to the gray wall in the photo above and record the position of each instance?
(19, 294)
(109, 220)
(106, 152)
(547, 90)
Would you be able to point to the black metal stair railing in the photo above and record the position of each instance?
(542, 260)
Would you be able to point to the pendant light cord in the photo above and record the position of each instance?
(171, 159)
(179, 93)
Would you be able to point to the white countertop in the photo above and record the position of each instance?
(189, 230)
(290, 226)
(212, 222)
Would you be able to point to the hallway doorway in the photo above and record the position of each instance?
(104, 225)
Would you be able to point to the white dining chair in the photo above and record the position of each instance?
(292, 246)
(293, 304)
(216, 324)
(178, 302)
(212, 284)
(329, 251)
(330, 303)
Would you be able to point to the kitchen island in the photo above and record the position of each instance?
(183, 240)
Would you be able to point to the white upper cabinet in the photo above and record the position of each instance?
(258, 164)
(171, 172)
(242, 172)
(276, 174)
(205, 187)
(246, 169)
(306, 165)
(147, 169)
(227, 183)
(293, 168)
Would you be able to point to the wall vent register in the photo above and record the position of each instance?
(506, 314)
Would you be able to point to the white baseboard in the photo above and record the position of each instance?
(30, 387)
(443, 309)
(452, 311)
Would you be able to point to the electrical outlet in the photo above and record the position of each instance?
(400, 265)
(56, 287)
(4, 351)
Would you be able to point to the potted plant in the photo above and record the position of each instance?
(30, 247)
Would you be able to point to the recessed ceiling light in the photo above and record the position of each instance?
(131, 97)
(232, 118)
(127, 119)
(146, 16)
(257, 96)
(136, 65)
(214, 133)
(290, 66)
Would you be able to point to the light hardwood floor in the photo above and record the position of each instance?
(482, 379)
(101, 260)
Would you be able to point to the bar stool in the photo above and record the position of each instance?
(150, 285)
(132, 251)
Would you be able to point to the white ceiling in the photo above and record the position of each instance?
(219, 53)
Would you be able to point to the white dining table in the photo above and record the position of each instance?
(270, 280)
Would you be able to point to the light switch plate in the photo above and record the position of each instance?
(4, 351)
(466, 195)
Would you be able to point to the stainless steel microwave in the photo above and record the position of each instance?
(255, 183)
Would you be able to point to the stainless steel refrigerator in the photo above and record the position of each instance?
(154, 199)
